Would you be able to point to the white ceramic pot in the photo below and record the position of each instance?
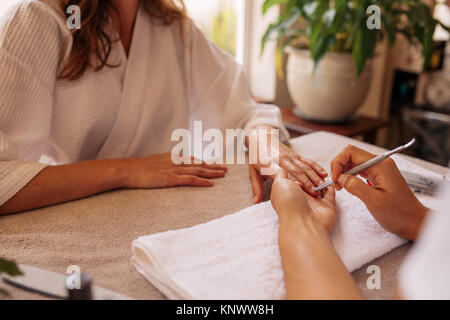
(333, 93)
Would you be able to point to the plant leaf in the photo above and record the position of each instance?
(270, 3)
(9, 267)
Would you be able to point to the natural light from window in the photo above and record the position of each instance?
(222, 21)
(5, 4)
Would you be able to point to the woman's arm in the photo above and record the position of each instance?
(312, 268)
(218, 86)
(65, 183)
(57, 184)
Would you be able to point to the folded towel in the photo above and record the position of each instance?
(237, 256)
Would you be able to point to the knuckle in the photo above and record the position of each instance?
(349, 147)
(390, 162)
(351, 182)
(188, 180)
(334, 163)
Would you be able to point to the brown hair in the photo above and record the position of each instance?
(93, 39)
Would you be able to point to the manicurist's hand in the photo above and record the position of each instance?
(308, 173)
(158, 171)
(293, 204)
(389, 200)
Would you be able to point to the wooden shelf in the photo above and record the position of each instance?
(360, 125)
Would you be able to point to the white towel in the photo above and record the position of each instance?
(237, 256)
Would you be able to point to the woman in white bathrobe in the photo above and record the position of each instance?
(82, 113)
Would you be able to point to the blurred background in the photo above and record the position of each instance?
(403, 100)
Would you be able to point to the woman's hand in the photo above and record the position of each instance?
(308, 173)
(389, 200)
(291, 202)
(312, 268)
(159, 171)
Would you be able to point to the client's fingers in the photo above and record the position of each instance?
(300, 176)
(188, 180)
(319, 170)
(282, 174)
(201, 172)
(214, 166)
(257, 182)
(330, 194)
(310, 172)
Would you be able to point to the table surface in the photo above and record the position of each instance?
(359, 125)
(96, 233)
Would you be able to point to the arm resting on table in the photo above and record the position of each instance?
(57, 184)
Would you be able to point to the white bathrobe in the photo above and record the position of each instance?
(128, 111)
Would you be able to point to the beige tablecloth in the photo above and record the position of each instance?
(96, 233)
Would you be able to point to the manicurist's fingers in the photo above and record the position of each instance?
(257, 182)
(358, 188)
(351, 155)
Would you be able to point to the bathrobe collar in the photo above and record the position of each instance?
(133, 89)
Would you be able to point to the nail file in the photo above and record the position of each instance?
(53, 285)
(369, 163)
(421, 184)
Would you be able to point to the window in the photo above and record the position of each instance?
(237, 26)
(442, 12)
(223, 22)
(5, 5)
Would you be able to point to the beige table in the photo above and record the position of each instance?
(96, 233)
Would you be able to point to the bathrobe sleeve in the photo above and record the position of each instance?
(219, 90)
(426, 271)
(29, 58)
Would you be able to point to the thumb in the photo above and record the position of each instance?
(257, 185)
(357, 187)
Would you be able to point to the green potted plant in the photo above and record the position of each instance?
(331, 44)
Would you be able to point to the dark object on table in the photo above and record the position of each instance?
(84, 292)
(432, 127)
(360, 125)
